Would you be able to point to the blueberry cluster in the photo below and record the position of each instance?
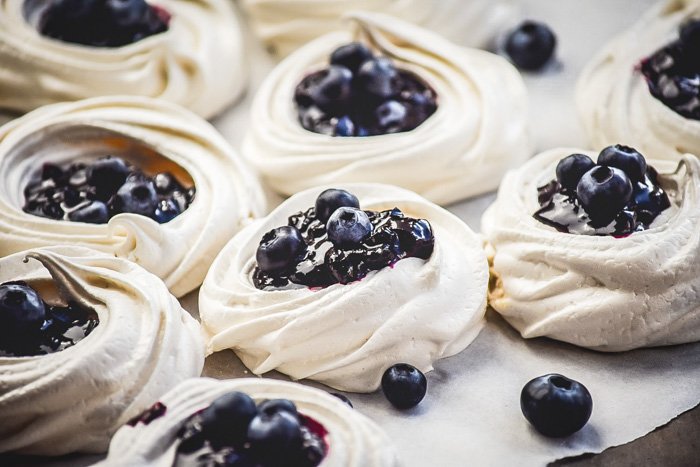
(102, 23)
(617, 196)
(234, 431)
(673, 72)
(29, 326)
(97, 191)
(337, 242)
(360, 94)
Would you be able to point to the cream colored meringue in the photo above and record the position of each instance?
(600, 292)
(353, 439)
(197, 63)
(287, 24)
(346, 336)
(75, 399)
(179, 252)
(478, 131)
(614, 101)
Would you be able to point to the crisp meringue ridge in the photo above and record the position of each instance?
(600, 292)
(346, 336)
(353, 439)
(198, 62)
(145, 343)
(478, 131)
(155, 135)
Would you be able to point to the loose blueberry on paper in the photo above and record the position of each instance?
(102, 23)
(360, 94)
(618, 195)
(337, 242)
(531, 45)
(555, 405)
(234, 431)
(404, 385)
(95, 192)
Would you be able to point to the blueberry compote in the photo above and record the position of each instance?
(673, 72)
(337, 242)
(360, 94)
(234, 431)
(101, 23)
(96, 191)
(618, 195)
(29, 326)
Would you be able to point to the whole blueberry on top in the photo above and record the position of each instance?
(351, 56)
(107, 174)
(378, 77)
(625, 158)
(391, 116)
(404, 385)
(556, 405)
(333, 91)
(136, 197)
(603, 191)
(531, 45)
(96, 212)
(226, 420)
(280, 248)
(21, 310)
(331, 199)
(272, 406)
(348, 227)
(571, 168)
(275, 438)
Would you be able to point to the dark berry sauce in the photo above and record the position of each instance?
(561, 209)
(63, 327)
(154, 412)
(394, 237)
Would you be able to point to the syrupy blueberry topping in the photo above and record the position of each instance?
(234, 431)
(102, 23)
(95, 192)
(29, 326)
(360, 94)
(673, 72)
(318, 251)
(617, 196)
(152, 413)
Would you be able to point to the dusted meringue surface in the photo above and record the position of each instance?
(346, 336)
(75, 399)
(600, 292)
(179, 252)
(287, 24)
(197, 63)
(478, 131)
(354, 439)
(613, 99)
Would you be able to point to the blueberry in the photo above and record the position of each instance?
(625, 158)
(166, 183)
(571, 168)
(21, 310)
(95, 212)
(379, 78)
(347, 227)
(313, 449)
(332, 93)
(280, 249)
(137, 197)
(531, 45)
(275, 438)
(690, 34)
(330, 200)
(404, 385)
(343, 398)
(351, 56)
(556, 405)
(603, 191)
(107, 174)
(166, 211)
(271, 407)
(344, 127)
(391, 116)
(225, 422)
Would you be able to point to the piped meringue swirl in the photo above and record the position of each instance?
(346, 336)
(478, 131)
(600, 292)
(198, 62)
(613, 98)
(151, 133)
(75, 399)
(354, 440)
